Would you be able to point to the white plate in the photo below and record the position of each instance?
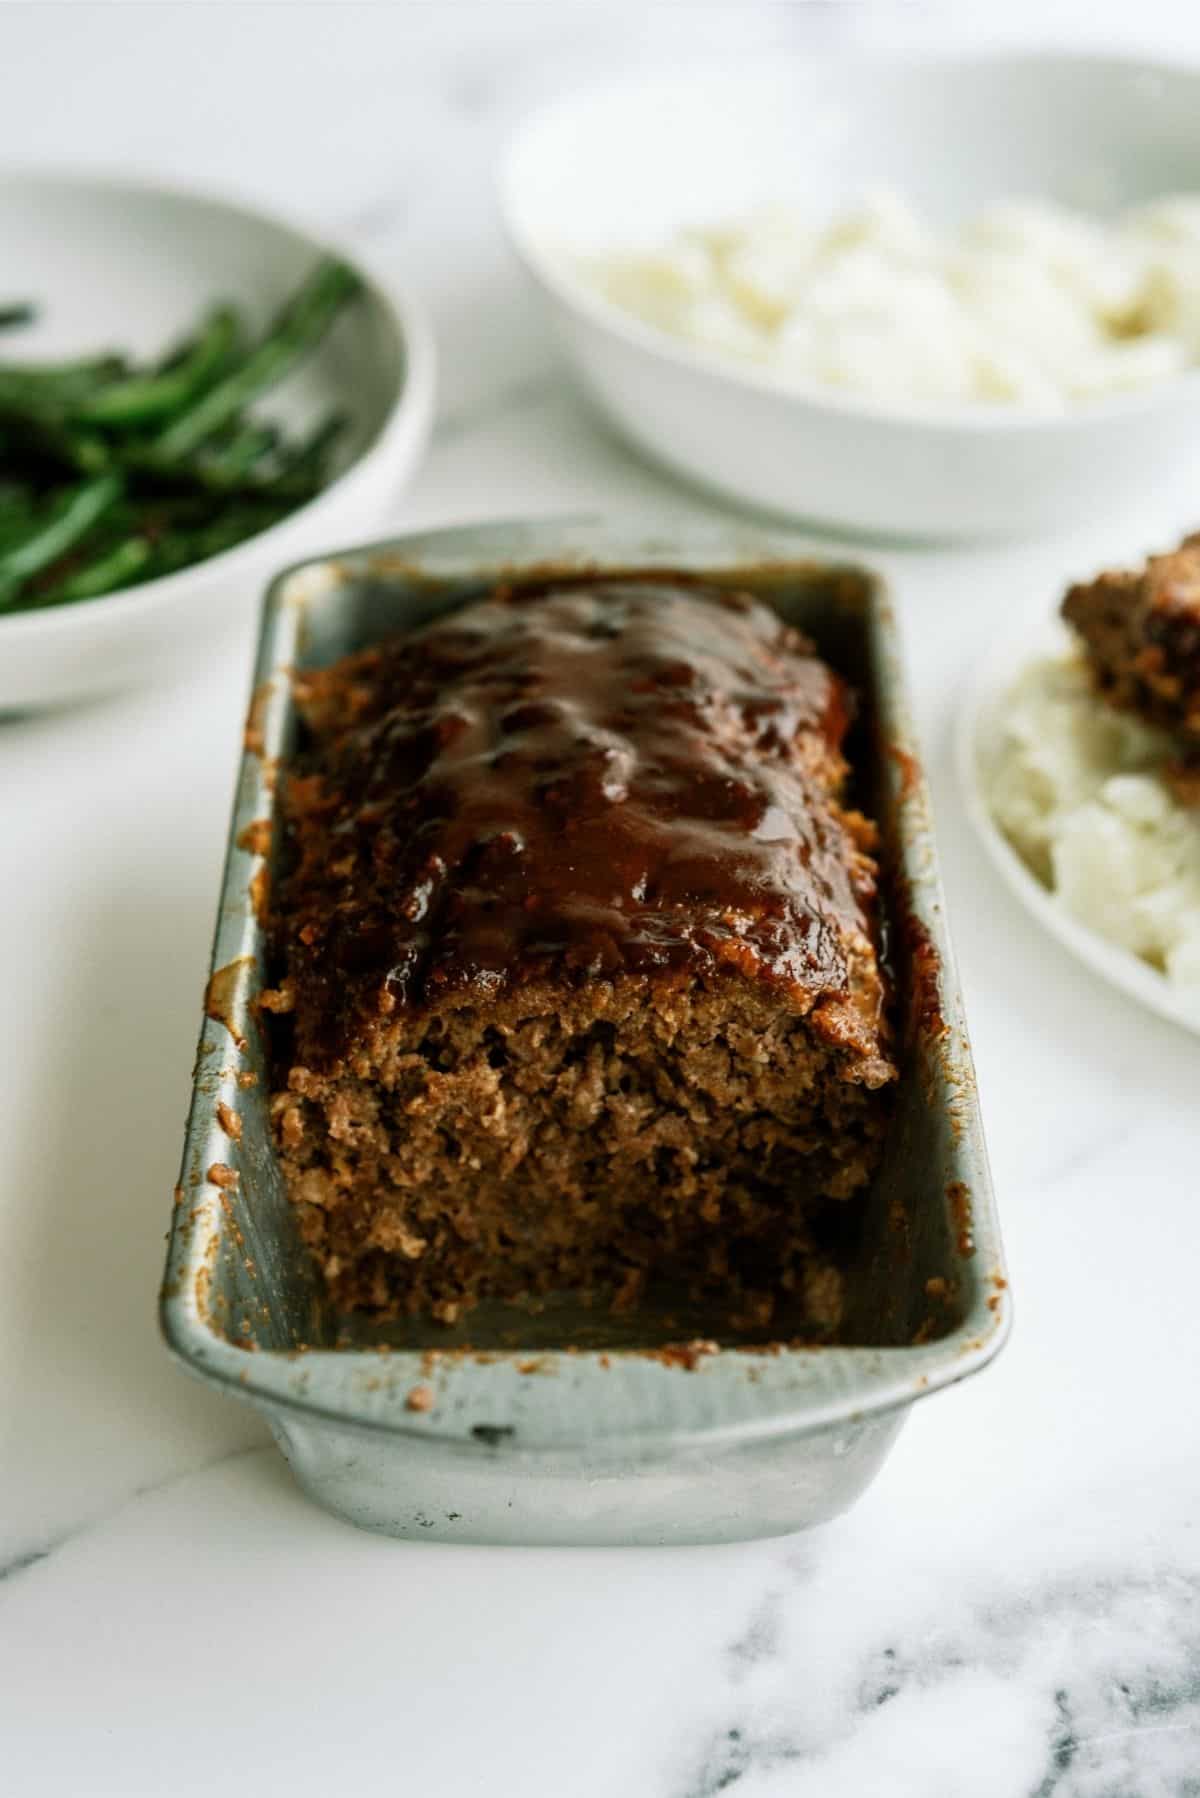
(127, 264)
(627, 165)
(977, 726)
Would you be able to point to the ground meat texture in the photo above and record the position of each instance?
(577, 983)
(1141, 633)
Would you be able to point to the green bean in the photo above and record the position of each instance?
(15, 514)
(112, 568)
(225, 468)
(70, 518)
(12, 530)
(298, 476)
(179, 352)
(36, 428)
(149, 398)
(197, 475)
(228, 464)
(297, 328)
(47, 382)
(311, 456)
(15, 496)
(112, 474)
(183, 548)
(230, 467)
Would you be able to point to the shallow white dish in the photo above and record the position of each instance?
(977, 723)
(624, 167)
(125, 263)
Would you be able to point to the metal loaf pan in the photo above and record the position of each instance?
(569, 1427)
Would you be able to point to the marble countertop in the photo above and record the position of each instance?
(1014, 1607)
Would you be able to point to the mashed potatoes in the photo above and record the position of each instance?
(1080, 791)
(1027, 306)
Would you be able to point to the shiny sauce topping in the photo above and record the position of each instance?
(608, 778)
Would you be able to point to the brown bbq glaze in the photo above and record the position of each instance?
(618, 778)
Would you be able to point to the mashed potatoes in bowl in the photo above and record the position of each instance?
(1028, 305)
(1006, 339)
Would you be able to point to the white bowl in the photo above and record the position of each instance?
(625, 166)
(977, 735)
(128, 264)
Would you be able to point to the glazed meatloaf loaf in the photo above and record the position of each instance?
(1141, 632)
(578, 983)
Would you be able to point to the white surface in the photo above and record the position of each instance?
(630, 163)
(975, 739)
(135, 265)
(1013, 1607)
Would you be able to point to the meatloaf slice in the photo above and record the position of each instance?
(1141, 632)
(578, 984)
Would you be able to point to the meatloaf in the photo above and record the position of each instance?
(578, 984)
(1140, 630)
